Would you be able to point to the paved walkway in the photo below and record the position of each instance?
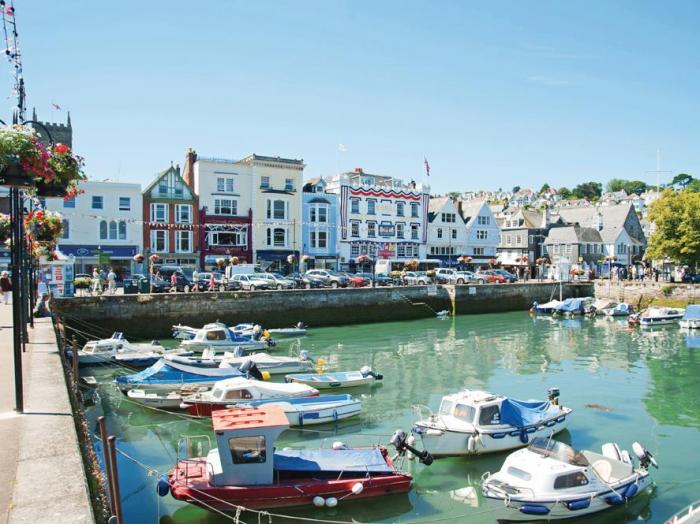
(41, 470)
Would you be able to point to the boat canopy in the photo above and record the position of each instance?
(370, 460)
(571, 305)
(520, 414)
(692, 313)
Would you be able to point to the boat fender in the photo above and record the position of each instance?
(434, 432)
(631, 491)
(534, 509)
(331, 502)
(615, 500)
(319, 502)
(163, 486)
(524, 438)
(574, 505)
(338, 445)
(471, 444)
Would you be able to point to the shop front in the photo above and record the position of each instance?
(276, 260)
(89, 257)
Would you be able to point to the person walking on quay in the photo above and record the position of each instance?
(96, 282)
(195, 281)
(173, 282)
(5, 287)
(212, 282)
(112, 281)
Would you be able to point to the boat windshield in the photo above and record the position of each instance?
(446, 407)
(465, 413)
(218, 393)
(558, 451)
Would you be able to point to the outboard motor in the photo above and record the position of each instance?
(251, 370)
(398, 440)
(304, 355)
(553, 396)
(367, 371)
(644, 455)
(271, 343)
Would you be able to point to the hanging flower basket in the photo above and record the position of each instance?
(464, 259)
(362, 259)
(305, 258)
(44, 226)
(411, 265)
(234, 261)
(22, 158)
(291, 259)
(44, 250)
(221, 262)
(67, 172)
(5, 227)
(154, 258)
(139, 258)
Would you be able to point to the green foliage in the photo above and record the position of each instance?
(628, 186)
(544, 187)
(82, 283)
(677, 218)
(693, 186)
(516, 189)
(681, 180)
(667, 291)
(454, 194)
(589, 190)
(565, 193)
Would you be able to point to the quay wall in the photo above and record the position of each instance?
(640, 294)
(152, 315)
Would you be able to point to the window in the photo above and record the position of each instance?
(228, 238)
(454, 234)
(69, 203)
(276, 209)
(265, 182)
(355, 229)
(483, 220)
(399, 209)
(248, 450)
(225, 206)
(183, 241)
(279, 237)
(159, 212)
(103, 230)
(414, 210)
(289, 184)
(354, 250)
(124, 204)
(65, 234)
(570, 480)
(159, 240)
(319, 213)
(518, 240)
(490, 415)
(163, 187)
(399, 230)
(322, 239)
(446, 407)
(439, 232)
(414, 232)
(97, 202)
(113, 230)
(478, 250)
(122, 230)
(183, 214)
(509, 239)
(371, 207)
(355, 206)
(371, 229)
(483, 234)
(464, 412)
(224, 185)
(448, 218)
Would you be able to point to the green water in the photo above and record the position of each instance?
(647, 381)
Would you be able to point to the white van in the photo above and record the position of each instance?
(241, 269)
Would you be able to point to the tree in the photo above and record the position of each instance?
(589, 190)
(693, 186)
(544, 187)
(454, 194)
(628, 186)
(516, 189)
(677, 218)
(565, 193)
(681, 180)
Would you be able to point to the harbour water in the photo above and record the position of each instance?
(624, 385)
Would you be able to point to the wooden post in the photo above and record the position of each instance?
(107, 460)
(115, 479)
(76, 365)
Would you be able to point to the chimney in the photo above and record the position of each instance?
(188, 171)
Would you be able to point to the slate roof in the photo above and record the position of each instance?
(613, 218)
(573, 235)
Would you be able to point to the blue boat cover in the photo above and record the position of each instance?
(571, 305)
(164, 372)
(692, 312)
(520, 414)
(370, 460)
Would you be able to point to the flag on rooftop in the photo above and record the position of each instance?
(427, 166)
(56, 106)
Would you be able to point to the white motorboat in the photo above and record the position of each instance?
(659, 316)
(551, 481)
(263, 361)
(337, 380)
(691, 318)
(315, 410)
(546, 308)
(117, 348)
(218, 335)
(688, 515)
(170, 400)
(619, 310)
(473, 422)
(601, 305)
(241, 390)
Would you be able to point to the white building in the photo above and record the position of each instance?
(106, 222)
(447, 234)
(482, 231)
(380, 216)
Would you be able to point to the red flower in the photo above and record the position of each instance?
(39, 215)
(61, 149)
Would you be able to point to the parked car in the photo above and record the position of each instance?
(303, 281)
(493, 277)
(463, 277)
(416, 278)
(510, 277)
(443, 275)
(330, 278)
(379, 279)
(251, 282)
(355, 280)
(277, 281)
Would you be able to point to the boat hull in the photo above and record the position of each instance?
(322, 381)
(659, 321)
(448, 443)
(155, 401)
(536, 510)
(188, 482)
(689, 324)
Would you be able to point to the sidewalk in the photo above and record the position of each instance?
(41, 469)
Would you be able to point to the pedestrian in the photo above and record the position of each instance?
(96, 282)
(6, 287)
(41, 290)
(195, 280)
(634, 272)
(173, 282)
(112, 281)
(212, 282)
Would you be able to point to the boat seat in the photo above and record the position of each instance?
(603, 469)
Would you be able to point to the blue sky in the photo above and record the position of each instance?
(493, 94)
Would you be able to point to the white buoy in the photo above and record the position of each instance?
(331, 502)
(357, 488)
(319, 502)
(338, 445)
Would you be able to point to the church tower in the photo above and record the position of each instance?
(60, 133)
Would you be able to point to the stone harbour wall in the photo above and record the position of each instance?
(152, 315)
(641, 294)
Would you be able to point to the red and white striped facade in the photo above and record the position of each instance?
(380, 216)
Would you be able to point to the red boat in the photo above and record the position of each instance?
(246, 469)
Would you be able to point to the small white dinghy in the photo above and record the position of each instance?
(299, 330)
(263, 361)
(106, 350)
(168, 401)
(473, 422)
(337, 380)
(659, 316)
(552, 481)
